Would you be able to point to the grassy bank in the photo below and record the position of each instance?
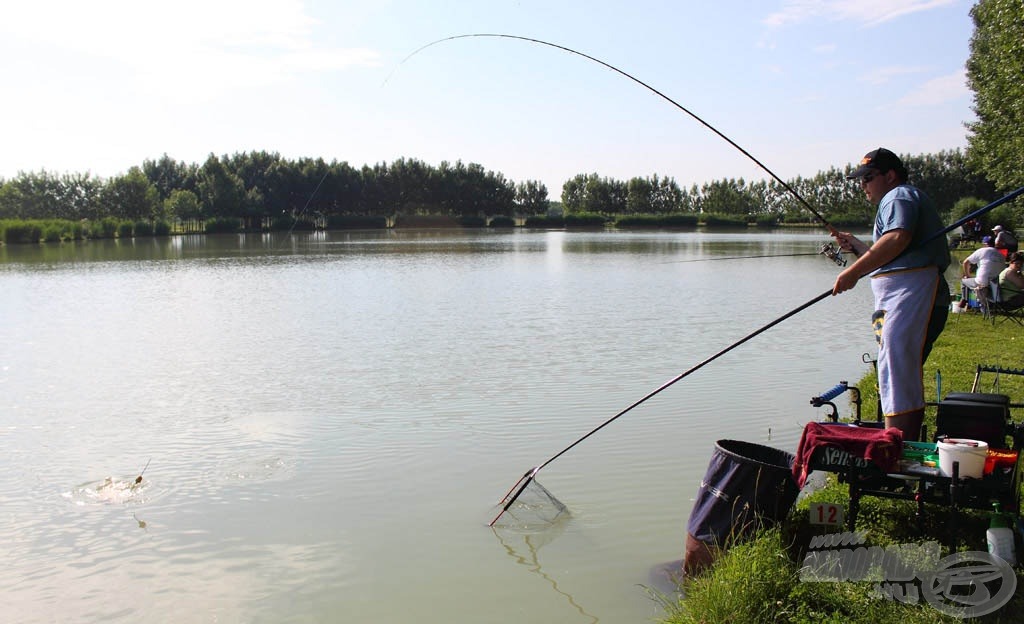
(759, 581)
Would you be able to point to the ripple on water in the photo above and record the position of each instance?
(110, 491)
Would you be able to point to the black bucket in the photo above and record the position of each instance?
(746, 486)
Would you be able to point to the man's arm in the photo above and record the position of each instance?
(885, 249)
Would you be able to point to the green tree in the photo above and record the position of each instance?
(727, 197)
(182, 204)
(947, 178)
(45, 195)
(377, 197)
(995, 72)
(131, 196)
(169, 175)
(343, 189)
(593, 193)
(666, 196)
(572, 193)
(654, 195)
(411, 181)
(221, 192)
(639, 196)
(531, 198)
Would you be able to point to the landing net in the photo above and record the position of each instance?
(535, 508)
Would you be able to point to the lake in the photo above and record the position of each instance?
(325, 421)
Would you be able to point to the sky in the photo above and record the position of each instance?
(801, 85)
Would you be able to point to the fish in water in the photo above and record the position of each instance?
(110, 491)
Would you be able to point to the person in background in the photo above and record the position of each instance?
(1005, 241)
(989, 262)
(906, 262)
(1011, 282)
(969, 231)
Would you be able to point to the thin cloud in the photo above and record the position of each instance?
(865, 12)
(937, 91)
(884, 75)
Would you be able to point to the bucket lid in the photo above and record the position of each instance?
(962, 442)
(963, 445)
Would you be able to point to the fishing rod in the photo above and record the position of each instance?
(507, 501)
(513, 494)
(707, 125)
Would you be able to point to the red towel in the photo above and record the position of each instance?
(884, 447)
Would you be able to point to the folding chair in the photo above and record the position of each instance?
(1003, 310)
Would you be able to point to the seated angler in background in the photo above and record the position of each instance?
(1005, 241)
(989, 262)
(1011, 282)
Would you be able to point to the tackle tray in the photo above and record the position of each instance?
(918, 483)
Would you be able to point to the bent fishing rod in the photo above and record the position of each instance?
(513, 494)
(643, 84)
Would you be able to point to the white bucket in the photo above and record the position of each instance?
(970, 453)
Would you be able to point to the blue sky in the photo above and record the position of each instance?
(801, 84)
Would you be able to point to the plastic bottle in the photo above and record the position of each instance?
(1000, 538)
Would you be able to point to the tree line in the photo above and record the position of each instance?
(252, 186)
(944, 176)
(255, 185)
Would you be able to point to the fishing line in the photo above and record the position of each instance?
(524, 481)
(138, 479)
(298, 215)
(793, 255)
(707, 125)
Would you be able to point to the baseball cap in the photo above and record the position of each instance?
(997, 228)
(880, 160)
(986, 240)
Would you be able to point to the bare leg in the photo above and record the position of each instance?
(909, 423)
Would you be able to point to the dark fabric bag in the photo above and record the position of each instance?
(746, 485)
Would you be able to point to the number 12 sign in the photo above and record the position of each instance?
(826, 513)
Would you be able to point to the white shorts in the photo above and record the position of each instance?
(903, 307)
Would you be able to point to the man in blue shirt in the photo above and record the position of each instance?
(906, 271)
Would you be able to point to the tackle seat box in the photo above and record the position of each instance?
(974, 416)
(979, 397)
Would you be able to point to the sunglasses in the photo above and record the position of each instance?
(867, 178)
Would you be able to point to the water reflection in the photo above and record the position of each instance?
(524, 548)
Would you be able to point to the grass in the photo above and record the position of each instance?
(759, 581)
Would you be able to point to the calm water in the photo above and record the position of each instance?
(328, 420)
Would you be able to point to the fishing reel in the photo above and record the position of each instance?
(833, 253)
